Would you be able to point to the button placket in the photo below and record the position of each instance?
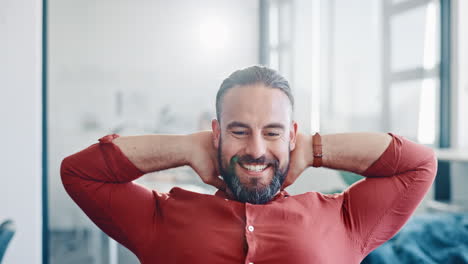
(250, 235)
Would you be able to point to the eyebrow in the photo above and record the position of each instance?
(275, 125)
(237, 124)
(243, 125)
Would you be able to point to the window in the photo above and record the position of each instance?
(279, 41)
(411, 60)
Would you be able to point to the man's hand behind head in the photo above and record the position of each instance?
(301, 158)
(203, 158)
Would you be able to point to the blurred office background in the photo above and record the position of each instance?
(72, 71)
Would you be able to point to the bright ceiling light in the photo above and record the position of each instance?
(213, 34)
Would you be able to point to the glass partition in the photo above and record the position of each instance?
(133, 67)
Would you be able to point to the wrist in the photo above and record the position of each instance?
(189, 143)
(317, 150)
(197, 145)
(309, 153)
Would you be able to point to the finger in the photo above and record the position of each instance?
(286, 184)
(290, 178)
(218, 183)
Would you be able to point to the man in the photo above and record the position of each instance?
(254, 145)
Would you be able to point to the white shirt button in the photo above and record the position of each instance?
(251, 263)
(250, 228)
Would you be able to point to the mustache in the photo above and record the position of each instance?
(260, 160)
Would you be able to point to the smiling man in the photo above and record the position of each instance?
(255, 147)
(254, 133)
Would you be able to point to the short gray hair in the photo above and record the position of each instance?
(253, 75)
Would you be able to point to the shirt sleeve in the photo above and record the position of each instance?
(375, 208)
(99, 179)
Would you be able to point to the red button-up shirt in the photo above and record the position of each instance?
(187, 227)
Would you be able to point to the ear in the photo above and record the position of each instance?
(216, 127)
(292, 135)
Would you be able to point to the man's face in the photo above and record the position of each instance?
(254, 140)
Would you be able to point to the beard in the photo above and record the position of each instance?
(260, 193)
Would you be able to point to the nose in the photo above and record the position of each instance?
(256, 146)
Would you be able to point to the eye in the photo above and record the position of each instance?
(239, 133)
(272, 134)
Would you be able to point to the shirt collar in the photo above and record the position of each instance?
(225, 195)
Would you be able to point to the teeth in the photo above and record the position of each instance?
(255, 168)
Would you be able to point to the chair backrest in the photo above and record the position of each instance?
(7, 230)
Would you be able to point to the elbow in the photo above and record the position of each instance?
(429, 165)
(432, 160)
(434, 163)
(66, 171)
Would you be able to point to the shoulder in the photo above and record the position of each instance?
(319, 200)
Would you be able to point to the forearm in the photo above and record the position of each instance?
(353, 152)
(154, 152)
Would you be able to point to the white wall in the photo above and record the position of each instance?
(157, 53)
(20, 117)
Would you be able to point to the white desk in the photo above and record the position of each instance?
(451, 154)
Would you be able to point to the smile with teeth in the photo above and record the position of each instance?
(253, 167)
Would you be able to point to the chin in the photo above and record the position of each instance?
(255, 184)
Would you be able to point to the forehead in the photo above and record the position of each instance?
(256, 105)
